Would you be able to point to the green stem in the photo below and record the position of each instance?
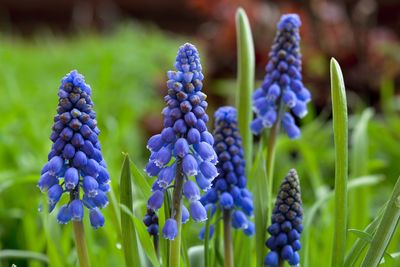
(281, 262)
(228, 248)
(270, 159)
(156, 246)
(386, 229)
(79, 234)
(259, 174)
(175, 245)
(80, 242)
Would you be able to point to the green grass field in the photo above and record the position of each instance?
(127, 73)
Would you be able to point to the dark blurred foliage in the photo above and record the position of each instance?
(363, 35)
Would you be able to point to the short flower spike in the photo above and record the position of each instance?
(229, 190)
(283, 82)
(184, 140)
(75, 160)
(287, 224)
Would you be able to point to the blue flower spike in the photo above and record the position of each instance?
(184, 148)
(75, 161)
(282, 84)
(228, 191)
(287, 224)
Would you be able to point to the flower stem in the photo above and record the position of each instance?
(156, 246)
(270, 159)
(281, 262)
(175, 245)
(79, 234)
(228, 249)
(80, 242)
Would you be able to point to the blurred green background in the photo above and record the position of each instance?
(125, 62)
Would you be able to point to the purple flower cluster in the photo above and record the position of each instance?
(184, 146)
(75, 160)
(287, 223)
(229, 190)
(283, 82)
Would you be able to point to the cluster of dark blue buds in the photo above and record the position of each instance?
(282, 84)
(229, 190)
(151, 221)
(75, 160)
(184, 147)
(286, 227)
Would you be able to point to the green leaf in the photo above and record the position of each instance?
(385, 230)
(23, 254)
(196, 256)
(128, 233)
(146, 241)
(140, 182)
(245, 81)
(312, 211)
(360, 244)
(362, 234)
(340, 133)
(367, 238)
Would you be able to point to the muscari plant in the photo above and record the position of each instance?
(185, 159)
(281, 98)
(184, 149)
(229, 191)
(75, 161)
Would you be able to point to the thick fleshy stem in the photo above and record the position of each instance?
(228, 249)
(79, 235)
(175, 245)
(270, 159)
(156, 246)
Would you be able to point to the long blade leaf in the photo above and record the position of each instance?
(128, 232)
(340, 132)
(245, 80)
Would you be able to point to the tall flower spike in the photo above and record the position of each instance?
(184, 147)
(283, 82)
(287, 224)
(75, 160)
(228, 190)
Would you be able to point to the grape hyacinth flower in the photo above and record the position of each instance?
(75, 160)
(287, 224)
(183, 149)
(282, 89)
(229, 192)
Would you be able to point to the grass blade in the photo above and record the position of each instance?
(245, 81)
(23, 254)
(340, 131)
(128, 233)
(385, 229)
(360, 244)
